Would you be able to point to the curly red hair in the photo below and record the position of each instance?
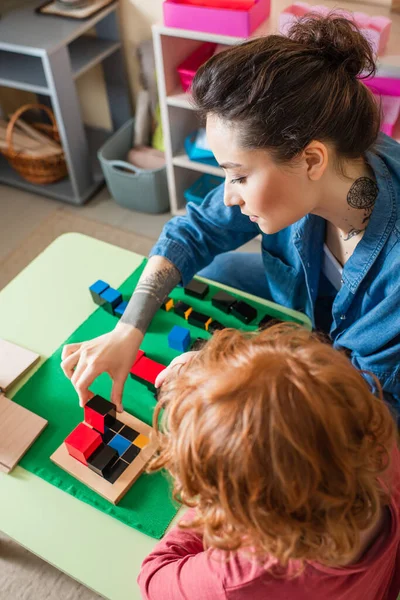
(278, 442)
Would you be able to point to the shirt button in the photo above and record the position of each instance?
(343, 317)
(308, 265)
(342, 281)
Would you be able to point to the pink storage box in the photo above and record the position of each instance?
(187, 69)
(232, 4)
(222, 21)
(388, 91)
(375, 29)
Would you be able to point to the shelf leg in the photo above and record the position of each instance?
(115, 73)
(57, 68)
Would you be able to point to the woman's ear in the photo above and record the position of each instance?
(316, 157)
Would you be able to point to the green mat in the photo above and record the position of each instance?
(148, 505)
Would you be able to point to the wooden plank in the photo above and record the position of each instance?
(113, 492)
(14, 363)
(19, 428)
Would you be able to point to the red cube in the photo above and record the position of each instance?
(82, 442)
(99, 413)
(147, 369)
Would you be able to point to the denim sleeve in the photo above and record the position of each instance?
(389, 379)
(191, 242)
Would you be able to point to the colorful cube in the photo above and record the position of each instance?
(197, 289)
(102, 460)
(99, 413)
(120, 309)
(119, 443)
(199, 320)
(168, 304)
(244, 312)
(112, 298)
(223, 301)
(182, 309)
(82, 442)
(179, 338)
(96, 289)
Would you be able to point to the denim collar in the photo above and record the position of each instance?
(379, 227)
(309, 233)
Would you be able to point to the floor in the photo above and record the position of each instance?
(21, 212)
(28, 223)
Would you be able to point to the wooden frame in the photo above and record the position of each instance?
(19, 428)
(113, 492)
(50, 9)
(14, 363)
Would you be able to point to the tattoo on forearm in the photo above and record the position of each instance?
(150, 293)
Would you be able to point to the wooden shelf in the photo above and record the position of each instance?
(87, 51)
(182, 160)
(22, 72)
(61, 190)
(180, 99)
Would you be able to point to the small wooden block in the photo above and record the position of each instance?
(14, 363)
(147, 369)
(196, 288)
(141, 441)
(182, 309)
(113, 492)
(168, 304)
(19, 428)
(223, 301)
(244, 312)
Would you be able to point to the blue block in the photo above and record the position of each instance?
(111, 299)
(112, 296)
(120, 444)
(120, 309)
(179, 338)
(99, 287)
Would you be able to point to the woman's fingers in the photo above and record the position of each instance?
(69, 349)
(68, 364)
(82, 378)
(116, 393)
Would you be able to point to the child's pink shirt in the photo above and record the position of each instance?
(180, 569)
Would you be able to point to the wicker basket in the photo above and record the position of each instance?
(40, 169)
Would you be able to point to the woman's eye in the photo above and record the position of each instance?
(238, 180)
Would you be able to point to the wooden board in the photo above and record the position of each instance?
(14, 363)
(83, 12)
(113, 492)
(19, 428)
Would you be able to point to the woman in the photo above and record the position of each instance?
(297, 133)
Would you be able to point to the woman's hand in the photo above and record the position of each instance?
(175, 364)
(112, 353)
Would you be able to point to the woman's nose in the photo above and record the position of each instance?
(231, 199)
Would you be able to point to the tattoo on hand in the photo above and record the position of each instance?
(150, 293)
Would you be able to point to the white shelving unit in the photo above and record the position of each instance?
(179, 119)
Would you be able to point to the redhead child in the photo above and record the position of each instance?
(291, 469)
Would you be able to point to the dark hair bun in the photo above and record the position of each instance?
(338, 40)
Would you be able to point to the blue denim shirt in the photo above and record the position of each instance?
(366, 310)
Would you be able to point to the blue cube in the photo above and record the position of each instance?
(120, 309)
(119, 443)
(98, 288)
(111, 299)
(179, 338)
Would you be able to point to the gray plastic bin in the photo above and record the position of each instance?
(141, 189)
